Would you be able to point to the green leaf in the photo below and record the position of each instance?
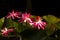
(1, 22)
(50, 28)
(24, 26)
(58, 25)
(51, 23)
(8, 23)
(15, 25)
(51, 19)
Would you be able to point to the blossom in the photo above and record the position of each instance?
(39, 23)
(25, 18)
(5, 31)
(13, 15)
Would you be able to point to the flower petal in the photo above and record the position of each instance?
(10, 30)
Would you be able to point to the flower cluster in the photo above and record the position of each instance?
(24, 17)
(5, 31)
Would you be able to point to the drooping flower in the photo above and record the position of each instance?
(5, 31)
(39, 23)
(25, 18)
(13, 15)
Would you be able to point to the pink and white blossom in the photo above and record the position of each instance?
(5, 31)
(25, 18)
(13, 15)
(38, 24)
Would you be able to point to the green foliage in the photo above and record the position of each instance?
(19, 27)
(51, 19)
(24, 26)
(58, 26)
(53, 23)
(8, 23)
(50, 28)
(1, 22)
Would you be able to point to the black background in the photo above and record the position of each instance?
(39, 7)
(7, 5)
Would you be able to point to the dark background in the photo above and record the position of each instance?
(45, 7)
(7, 5)
(38, 7)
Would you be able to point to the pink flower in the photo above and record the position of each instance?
(13, 15)
(25, 18)
(39, 23)
(5, 31)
